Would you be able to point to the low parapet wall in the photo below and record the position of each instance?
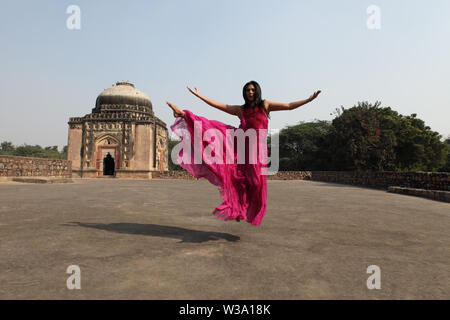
(380, 180)
(281, 175)
(385, 179)
(14, 166)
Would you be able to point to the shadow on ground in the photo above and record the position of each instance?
(185, 235)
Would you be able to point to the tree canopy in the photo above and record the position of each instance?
(50, 152)
(365, 137)
(172, 144)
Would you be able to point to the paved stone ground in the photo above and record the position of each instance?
(157, 239)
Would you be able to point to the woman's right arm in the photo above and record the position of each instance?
(234, 110)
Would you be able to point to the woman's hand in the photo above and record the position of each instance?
(176, 111)
(278, 106)
(194, 92)
(314, 95)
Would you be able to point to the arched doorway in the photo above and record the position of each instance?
(108, 165)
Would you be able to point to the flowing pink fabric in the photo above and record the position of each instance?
(242, 186)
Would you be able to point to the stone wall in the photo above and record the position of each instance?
(379, 180)
(282, 175)
(176, 174)
(13, 166)
(431, 194)
(385, 179)
(290, 175)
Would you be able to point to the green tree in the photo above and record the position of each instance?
(419, 148)
(362, 140)
(7, 147)
(172, 144)
(38, 152)
(29, 151)
(303, 146)
(64, 152)
(367, 137)
(446, 166)
(52, 148)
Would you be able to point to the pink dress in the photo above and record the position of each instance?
(242, 184)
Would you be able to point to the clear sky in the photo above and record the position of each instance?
(291, 47)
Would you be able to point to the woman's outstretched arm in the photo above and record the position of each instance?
(234, 110)
(278, 106)
(177, 112)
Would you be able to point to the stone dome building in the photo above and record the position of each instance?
(121, 137)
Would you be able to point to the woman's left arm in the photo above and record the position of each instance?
(278, 106)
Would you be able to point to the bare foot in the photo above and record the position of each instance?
(176, 111)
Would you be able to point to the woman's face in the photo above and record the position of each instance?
(250, 92)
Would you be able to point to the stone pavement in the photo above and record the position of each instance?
(157, 239)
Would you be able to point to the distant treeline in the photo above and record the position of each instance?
(365, 137)
(7, 148)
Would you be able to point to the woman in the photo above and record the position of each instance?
(242, 184)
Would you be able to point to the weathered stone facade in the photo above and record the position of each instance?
(13, 166)
(122, 124)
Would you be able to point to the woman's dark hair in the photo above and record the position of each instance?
(257, 101)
